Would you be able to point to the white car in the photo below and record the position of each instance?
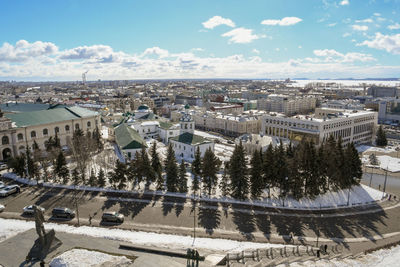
(8, 190)
(28, 210)
(3, 167)
(2, 207)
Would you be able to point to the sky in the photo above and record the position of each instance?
(173, 39)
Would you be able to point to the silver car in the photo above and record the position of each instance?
(28, 210)
(2, 207)
(8, 190)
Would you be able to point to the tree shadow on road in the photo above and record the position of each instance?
(264, 225)
(244, 221)
(209, 216)
(288, 227)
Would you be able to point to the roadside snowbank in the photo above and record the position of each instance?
(136, 237)
(365, 148)
(359, 195)
(87, 258)
(389, 163)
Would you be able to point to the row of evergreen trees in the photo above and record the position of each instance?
(301, 171)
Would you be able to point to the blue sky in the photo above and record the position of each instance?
(58, 40)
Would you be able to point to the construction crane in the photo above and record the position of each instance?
(84, 77)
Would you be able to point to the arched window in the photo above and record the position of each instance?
(56, 130)
(45, 131)
(88, 124)
(185, 126)
(4, 140)
(21, 148)
(33, 134)
(67, 128)
(76, 126)
(20, 137)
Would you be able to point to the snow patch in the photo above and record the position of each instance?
(389, 163)
(140, 238)
(87, 258)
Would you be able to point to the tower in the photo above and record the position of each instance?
(186, 121)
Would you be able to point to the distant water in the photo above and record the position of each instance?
(302, 83)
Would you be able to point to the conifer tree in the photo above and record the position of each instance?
(238, 173)
(171, 170)
(33, 168)
(224, 184)
(331, 162)
(182, 183)
(92, 178)
(60, 163)
(355, 166)
(321, 163)
(101, 180)
(269, 171)
(256, 179)
(210, 164)
(17, 164)
(120, 175)
(381, 137)
(75, 176)
(97, 139)
(341, 166)
(196, 170)
(147, 170)
(281, 171)
(156, 166)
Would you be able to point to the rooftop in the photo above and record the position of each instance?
(190, 139)
(128, 138)
(24, 119)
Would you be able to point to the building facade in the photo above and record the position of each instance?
(352, 126)
(21, 130)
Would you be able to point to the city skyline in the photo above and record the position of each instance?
(178, 39)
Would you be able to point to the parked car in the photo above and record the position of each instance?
(10, 189)
(28, 210)
(2, 185)
(112, 216)
(63, 213)
(2, 207)
(3, 167)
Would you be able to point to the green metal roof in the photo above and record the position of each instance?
(128, 138)
(49, 116)
(165, 125)
(190, 139)
(23, 107)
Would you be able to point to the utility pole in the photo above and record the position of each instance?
(370, 181)
(384, 184)
(194, 218)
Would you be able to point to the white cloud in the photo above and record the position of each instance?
(277, 49)
(216, 21)
(390, 43)
(161, 53)
(395, 26)
(332, 25)
(300, 46)
(255, 51)
(346, 34)
(242, 35)
(106, 63)
(344, 3)
(287, 21)
(360, 27)
(364, 21)
(198, 49)
(377, 14)
(23, 50)
(332, 55)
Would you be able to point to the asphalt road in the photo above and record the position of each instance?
(176, 215)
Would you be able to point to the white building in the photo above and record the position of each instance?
(287, 104)
(353, 126)
(186, 143)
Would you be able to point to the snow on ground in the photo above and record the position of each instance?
(223, 152)
(87, 258)
(104, 132)
(137, 237)
(379, 258)
(365, 148)
(389, 163)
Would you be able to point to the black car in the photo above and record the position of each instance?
(63, 213)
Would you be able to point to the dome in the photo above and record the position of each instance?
(187, 106)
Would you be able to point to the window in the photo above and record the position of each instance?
(88, 124)
(190, 126)
(170, 133)
(21, 148)
(20, 137)
(4, 140)
(33, 134)
(77, 126)
(57, 130)
(185, 126)
(45, 132)
(67, 128)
